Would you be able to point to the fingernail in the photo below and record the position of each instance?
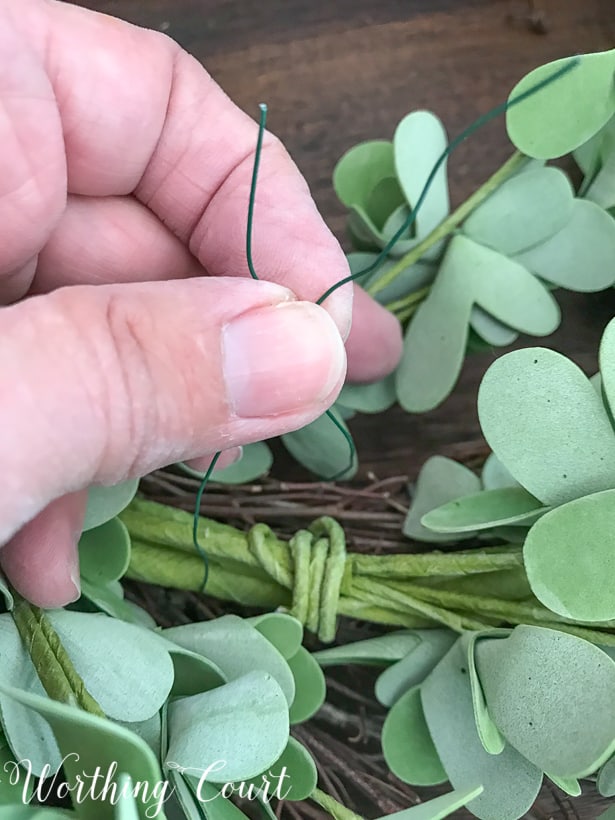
(281, 359)
(75, 577)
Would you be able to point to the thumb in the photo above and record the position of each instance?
(103, 383)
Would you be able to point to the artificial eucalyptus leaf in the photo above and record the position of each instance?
(418, 142)
(438, 807)
(369, 398)
(360, 169)
(281, 629)
(495, 476)
(484, 510)
(91, 744)
(104, 552)
(569, 557)
(103, 649)
(149, 730)
(546, 424)
(607, 367)
(566, 113)
(105, 503)
(255, 461)
(511, 783)
(435, 341)
(292, 777)
(569, 785)
(580, 256)
(239, 729)
(382, 200)
(380, 651)
(107, 598)
(407, 746)
(194, 673)
(440, 480)
(15, 785)
(489, 734)
(186, 804)
(236, 648)
(526, 210)
(411, 279)
(551, 695)
(606, 778)
(412, 670)
(490, 330)
(310, 686)
(323, 448)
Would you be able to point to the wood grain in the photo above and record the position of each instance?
(334, 73)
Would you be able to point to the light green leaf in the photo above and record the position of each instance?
(360, 169)
(369, 398)
(489, 734)
(109, 599)
(104, 552)
(236, 648)
(580, 256)
(526, 210)
(565, 114)
(292, 777)
(412, 670)
(485, 510)
(255, 461)
(15, 785)
(323, 449)
(440, 480)
(495, 476)
(551, 696)
(490, 330)
(105, 503)
(235, 731)
(408, 749)
(380, 651)
(511, 783)
(606, 778)
(569, 558)
(569, 785)
(546, 424)
(310, 686)
(438, 807)
(281, 629)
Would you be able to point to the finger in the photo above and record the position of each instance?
(225, 459)
(144, 375)
(171, 136)
(102, 240)
(41, 560)
(375, 343)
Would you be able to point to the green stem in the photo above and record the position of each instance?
(51, 661)
(335, 809)
(445, 228)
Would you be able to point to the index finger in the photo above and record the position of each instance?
(140, 116)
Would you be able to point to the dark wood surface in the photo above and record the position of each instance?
(335, 72)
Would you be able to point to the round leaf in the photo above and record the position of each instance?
(104, 552)
(490, 330)
(606, 778)
(495, 476)
(360, 169)
(255, 461)
(484, 510)
(369, 398)
(281, 629)
(407, 746)
(293, 775)
(310, 686)
(566, 113)
(105, 503)
(570, 561)
(323, 449)
(551, 695)
(239, 729)
(546, 424)
(378, 651)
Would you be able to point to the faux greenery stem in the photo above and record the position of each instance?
(445, 228)
(51, 661)
(316, 580)
(335, 809)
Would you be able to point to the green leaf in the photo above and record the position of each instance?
(412, 670)
(369, 398)
(489, 734)
(194, 673)
(292, 777)
(490, 330)
(380, 651)
(440, 480)
(526, 210)
(323, 449)
(510, 782)
(546, 424)
(281, 629)
(408, 749)
(438, 807)
(382, 200)
(565, 114)
(484, 510)
(360, 169)
(235, 731)
(256, 460)
(104, 503)
(236, 648)
(90, 744)
(418, 142)
(580, 256)
(495, 476)
(104, 552)
(606, 778)
(310, 686)
(13, 789)
(109, 599)
(21, 812)
(551, 696)
(568, 557)
(569, 785)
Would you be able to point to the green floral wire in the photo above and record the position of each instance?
(411, 218)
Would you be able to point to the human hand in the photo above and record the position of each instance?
(124, 180)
